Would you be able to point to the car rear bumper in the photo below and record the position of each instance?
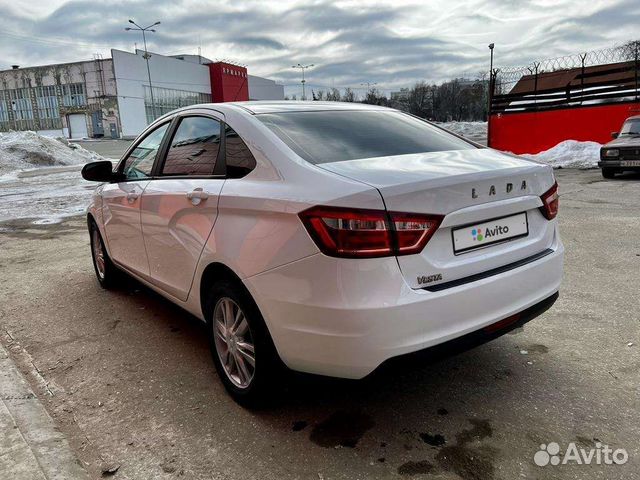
(344, 318)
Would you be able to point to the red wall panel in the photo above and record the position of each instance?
(533, 132)
(229, 83)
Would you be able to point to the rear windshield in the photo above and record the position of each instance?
(334, 136)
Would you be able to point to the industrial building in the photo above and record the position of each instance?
(112, 97)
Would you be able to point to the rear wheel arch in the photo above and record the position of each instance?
(219, 272)
(215, 272)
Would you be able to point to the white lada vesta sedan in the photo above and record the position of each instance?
(328, 237)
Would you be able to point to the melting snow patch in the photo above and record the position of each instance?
(569, 154)
(40, 178)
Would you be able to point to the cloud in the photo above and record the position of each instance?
(392, 43)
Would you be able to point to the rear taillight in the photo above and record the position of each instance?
(550, 202)
(413, 231)
(358, 233)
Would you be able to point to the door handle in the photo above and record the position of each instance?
(197, 195)
(132, 197)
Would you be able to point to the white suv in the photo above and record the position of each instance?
(326, 236)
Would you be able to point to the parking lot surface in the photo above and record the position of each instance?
(133, 388)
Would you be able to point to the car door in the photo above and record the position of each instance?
(121, 203)
(180, 204)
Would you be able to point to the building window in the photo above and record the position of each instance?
(21, 104)
(168, 99)
(4, 111)
(4, 116)
(73, 95)
(48, 110)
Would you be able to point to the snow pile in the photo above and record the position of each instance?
(569, 154)
(40, 178)
(476, 131)
(24, 150)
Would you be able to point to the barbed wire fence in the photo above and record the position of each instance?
(506, 78)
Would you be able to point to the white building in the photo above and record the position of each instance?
(175, 82)
(112, 97)
(264, 89)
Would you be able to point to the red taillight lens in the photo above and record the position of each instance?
(358, 233)
(550, 202)
(413, 231)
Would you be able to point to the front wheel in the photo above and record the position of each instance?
(242, 350)
(608, 173)
(106, 271)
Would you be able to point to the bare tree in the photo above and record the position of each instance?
(419, 100)
(631, 50)
(349, 95)
(333, 95)
(375, 97)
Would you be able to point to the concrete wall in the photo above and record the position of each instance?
(264, 89)
(166, 72)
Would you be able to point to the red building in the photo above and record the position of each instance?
(229, 83)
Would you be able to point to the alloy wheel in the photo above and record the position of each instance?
(98, 253)
(234, 342)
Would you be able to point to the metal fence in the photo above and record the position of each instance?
(603, 76)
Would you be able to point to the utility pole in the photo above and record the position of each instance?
(302, 69)
(369, 84)
(490, 89)
(146, 57)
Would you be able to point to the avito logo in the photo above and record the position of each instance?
(478, 236)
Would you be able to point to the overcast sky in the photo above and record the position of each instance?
(351, 42)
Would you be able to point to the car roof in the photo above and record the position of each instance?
(633, 117)
(276, 106)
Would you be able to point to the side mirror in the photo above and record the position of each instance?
(98, 171)
(614, 134)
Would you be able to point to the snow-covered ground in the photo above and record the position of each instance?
(570, 154)
(476, 131)
(40, 178)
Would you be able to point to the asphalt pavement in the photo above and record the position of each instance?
(127, 377)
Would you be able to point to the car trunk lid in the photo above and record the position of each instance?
(479, 187)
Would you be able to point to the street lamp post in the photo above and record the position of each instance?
(302, 69)
(146, 57)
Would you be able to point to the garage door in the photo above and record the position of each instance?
(78, 126)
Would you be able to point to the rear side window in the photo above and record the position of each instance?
(334, 136)
(140, 162)
(194, 147)
(240, 160)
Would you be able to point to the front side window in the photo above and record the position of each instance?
(334, 136)
(239, 158)
(194, 148)
(140, 162)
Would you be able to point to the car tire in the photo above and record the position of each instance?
(608, 173)
(106, 271)
(241, 347)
